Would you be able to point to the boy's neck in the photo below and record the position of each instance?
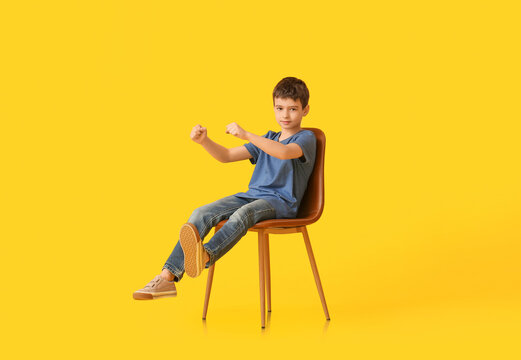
(284, 134)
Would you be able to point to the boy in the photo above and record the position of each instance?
(284, 161)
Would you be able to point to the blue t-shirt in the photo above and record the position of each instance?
(282, 182)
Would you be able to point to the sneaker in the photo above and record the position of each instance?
(193, 250)
(156, 288)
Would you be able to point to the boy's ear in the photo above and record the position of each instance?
(306, 110)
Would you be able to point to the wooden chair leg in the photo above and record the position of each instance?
(315, 270)
(208, 289)
(261, 279)
(208, 286)
(267, 269)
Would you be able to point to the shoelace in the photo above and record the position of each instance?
(153, 282)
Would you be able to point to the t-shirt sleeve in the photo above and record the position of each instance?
(254, 150)
(308, 143)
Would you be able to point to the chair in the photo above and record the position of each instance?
(310, 210)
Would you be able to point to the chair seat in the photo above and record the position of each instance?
(276, 223)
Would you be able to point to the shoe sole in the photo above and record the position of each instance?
(192, 248)
(149, 296)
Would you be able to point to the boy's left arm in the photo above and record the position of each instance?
(271, 147)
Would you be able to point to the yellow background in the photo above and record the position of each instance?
(419, 243)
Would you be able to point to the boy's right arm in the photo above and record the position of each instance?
(219, 152)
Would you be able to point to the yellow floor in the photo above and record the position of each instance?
(87, 325)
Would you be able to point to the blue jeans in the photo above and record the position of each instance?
(241, 214)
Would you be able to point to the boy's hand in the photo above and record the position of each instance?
(198, 134)
(236, 130)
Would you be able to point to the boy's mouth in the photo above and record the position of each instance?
(285, 122)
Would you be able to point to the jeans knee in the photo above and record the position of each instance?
(197, 216)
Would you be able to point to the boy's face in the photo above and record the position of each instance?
(289, 113)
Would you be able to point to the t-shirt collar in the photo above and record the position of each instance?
(280, 133)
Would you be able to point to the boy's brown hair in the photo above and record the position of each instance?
(291, 87)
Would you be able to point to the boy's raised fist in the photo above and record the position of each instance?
(198, 134)
(236, 130)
